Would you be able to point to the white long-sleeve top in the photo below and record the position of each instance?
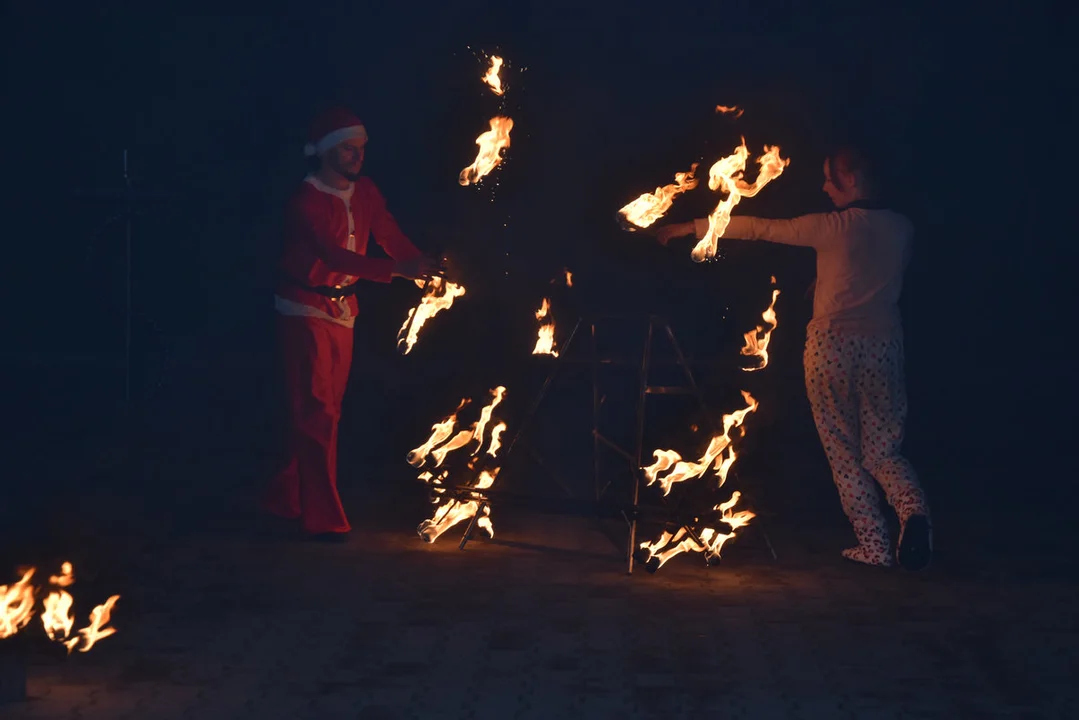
(861, 257)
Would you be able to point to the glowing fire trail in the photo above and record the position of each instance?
(491, 144)
(649, 207)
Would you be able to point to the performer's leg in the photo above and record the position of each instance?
(882, 389)
(322, 510)
(831, 361)
(282, 497)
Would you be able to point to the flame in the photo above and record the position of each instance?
(439, 432)
(439, 296)
(711, 540)
(491, 144)
(496, 439)
(545, 340)
(650, 207)
(726, 176)
(566, 277)
(491, 77)
(99, 617)
(756, 342)
(485, 417)
(569, 278)
(719, 455)
(17, 608)
(57, 618)
(727, 109)
(66, 577)
(455, 509)
(16, 605)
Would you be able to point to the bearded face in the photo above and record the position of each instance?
(346, 159)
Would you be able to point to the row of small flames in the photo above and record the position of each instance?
(18, 603)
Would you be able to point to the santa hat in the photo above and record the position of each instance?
(332, 128)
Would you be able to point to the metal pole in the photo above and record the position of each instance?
(646, 358)
(127, 306)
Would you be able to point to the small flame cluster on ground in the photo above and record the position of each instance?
(650, 207)
(17, 609)
(670, 469)
(711, 542)
(757, 340)
(431, 456)
(492, 142)
(439, 296)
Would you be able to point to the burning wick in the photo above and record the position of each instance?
(491, 77)
(655, 554)
(649, 207)
(491, 144)
(545, 341)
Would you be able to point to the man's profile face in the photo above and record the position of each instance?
(346, 159)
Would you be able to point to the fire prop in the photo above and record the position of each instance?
(491, 77)
(729, 110)
(708, 541)
(429, 457)
(726, 176)
(719, 455)
(438, 296)
(650, 207)
(491, 144)
(17, 608)
(757, 340)
(545, 341)
(669, 469)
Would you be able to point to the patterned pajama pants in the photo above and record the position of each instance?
(859, 401)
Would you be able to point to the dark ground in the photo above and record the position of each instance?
(220, 617)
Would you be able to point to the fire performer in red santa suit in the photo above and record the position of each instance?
(854, 353)
(328, 222)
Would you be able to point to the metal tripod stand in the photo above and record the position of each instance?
(628, 508)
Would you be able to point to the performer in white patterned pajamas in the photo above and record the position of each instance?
(854, 353)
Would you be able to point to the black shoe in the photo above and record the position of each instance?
(329, 537)
(915, 543)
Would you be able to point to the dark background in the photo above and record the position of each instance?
(609, 101)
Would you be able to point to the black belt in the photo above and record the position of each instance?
(334, 293)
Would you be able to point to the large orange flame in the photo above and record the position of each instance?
(726, 176)
(719, 455)
(439, 296)
(649, 207)
(16, 605)
(491, 144)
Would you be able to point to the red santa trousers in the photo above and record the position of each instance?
(317, 357)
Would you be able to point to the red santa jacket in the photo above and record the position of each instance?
(326, 235)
